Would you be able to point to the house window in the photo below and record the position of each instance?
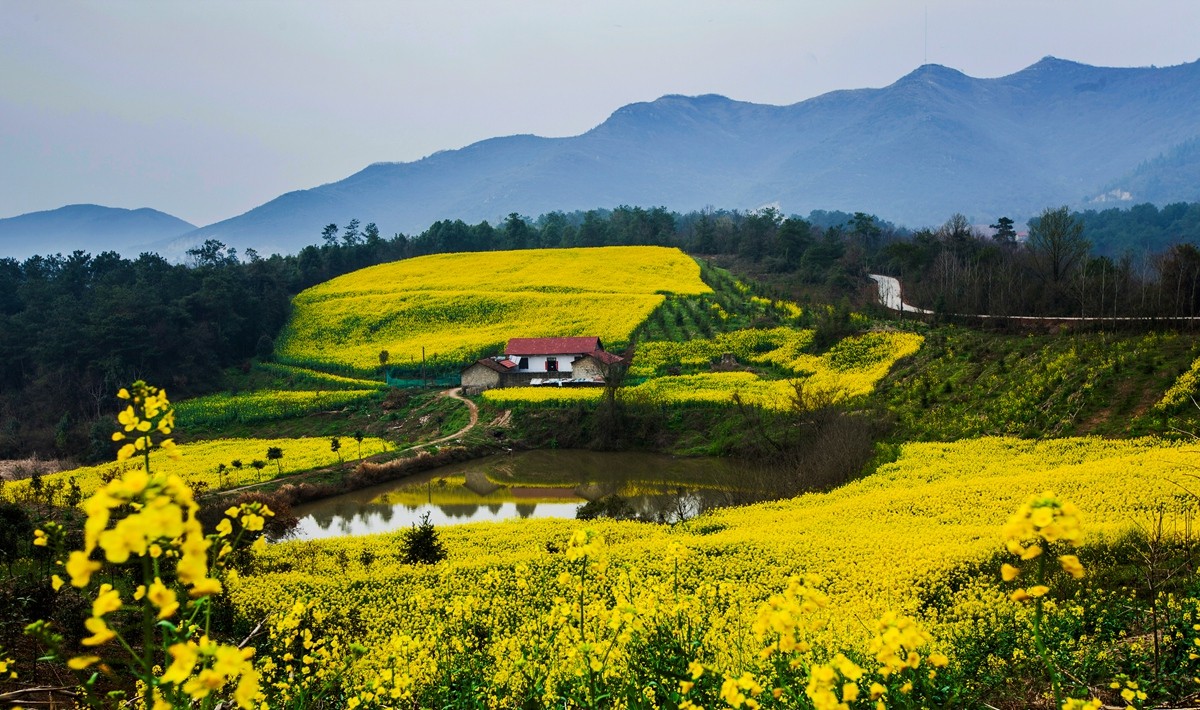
(551, 364)
(523, 364)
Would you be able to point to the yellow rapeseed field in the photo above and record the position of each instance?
(547, 603)
(460, 306)
(200, 461)
(850, 368)
(1184, 390)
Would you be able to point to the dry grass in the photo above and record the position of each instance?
(16, 469)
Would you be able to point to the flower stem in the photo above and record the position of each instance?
(1039, 642)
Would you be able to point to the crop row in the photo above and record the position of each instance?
(758, 345)
(296, 376)
(964, 384)
(1185, 389)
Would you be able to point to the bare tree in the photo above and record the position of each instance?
(1056, 240)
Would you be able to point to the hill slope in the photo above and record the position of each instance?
(934, 142)
(454, 308)
(92, 228)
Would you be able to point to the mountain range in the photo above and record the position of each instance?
(933, 143)
(92, 228)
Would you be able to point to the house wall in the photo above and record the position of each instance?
(537, 363)
(519, 379)
(588, 368)
(478, 378)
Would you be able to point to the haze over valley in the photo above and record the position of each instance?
(933, 143)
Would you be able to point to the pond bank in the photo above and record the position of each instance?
(534, 484)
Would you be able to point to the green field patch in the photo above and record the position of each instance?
(262, 406)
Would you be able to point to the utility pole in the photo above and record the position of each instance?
(424, 380)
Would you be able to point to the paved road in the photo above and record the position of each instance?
(890, 297)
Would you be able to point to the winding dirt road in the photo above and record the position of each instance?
(452, 393)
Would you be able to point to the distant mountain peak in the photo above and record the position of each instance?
(698, 100)
(673, 102)
(1052, 61)
(91, 228)
(934, 75)
(934, 70)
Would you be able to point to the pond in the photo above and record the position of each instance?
(535, 484)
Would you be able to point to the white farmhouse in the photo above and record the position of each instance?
(555, 357)
(541, 361)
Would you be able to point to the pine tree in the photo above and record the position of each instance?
(421, 544)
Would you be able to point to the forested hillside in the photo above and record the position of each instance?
(71, 326)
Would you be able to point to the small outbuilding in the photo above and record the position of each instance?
(594, 365)
(485, 374)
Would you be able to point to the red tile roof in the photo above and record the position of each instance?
(553, 346)
(606, 357)
(497, 365)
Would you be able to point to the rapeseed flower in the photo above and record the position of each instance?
(144, 514)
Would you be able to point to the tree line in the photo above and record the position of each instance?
(1054, 270)
(72, 328)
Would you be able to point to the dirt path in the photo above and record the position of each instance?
(451, 393)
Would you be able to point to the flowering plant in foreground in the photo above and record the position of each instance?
(1040, 526)
(147, 521)
(6, 666)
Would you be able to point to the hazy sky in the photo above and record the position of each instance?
(207, 109)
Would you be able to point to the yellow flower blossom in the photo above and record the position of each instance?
(183, 660)
(80, 568)
(163, 598)
(205, 587)
(1071, 565)
(100, 632)
(107, 601)
(78, 663)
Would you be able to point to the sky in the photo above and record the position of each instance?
(207, 109)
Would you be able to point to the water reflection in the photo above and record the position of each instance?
(534, 484)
